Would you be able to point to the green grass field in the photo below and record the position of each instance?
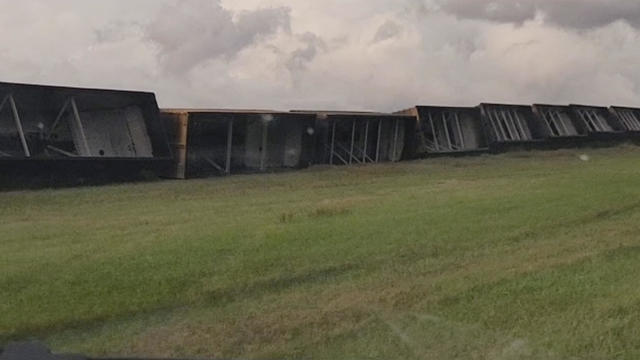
(517, 256)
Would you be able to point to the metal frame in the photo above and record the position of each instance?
(229, 146)
(507, 123)
(226, 168)
(449, 119)
(448, 130)
(379, 140)
(84, 150)
(18, 123)
(630, 118)
(56, 162)
(265, 144)
(594, 121)
(554, 122)
(395, 139)
(348, 149)
(559, 121)
(223, 142)
(358, 151)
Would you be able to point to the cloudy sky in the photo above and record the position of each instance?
(332, 54)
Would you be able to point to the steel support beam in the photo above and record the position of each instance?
(633, 120)
(505, 127)
(379, 140)
(493, 125)
(510, 126)
(342, 159)
(460, 133)
(351, 157)
(353, 141)
(592, 120)
(395, 140)
(333, 142)
(366, 141)
(514, 125)
(446, 130)
(84, 146)
(60, 151)
(627, 119)
(517, 124)
(58, 118)
(229, 147)
(214, 164)
(433, 131)
(78, 121)
(18, 123)
(548, 119)
(563, 126)
(500, 125)
(586, 120)
(265, 140)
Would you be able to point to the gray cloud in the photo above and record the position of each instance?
(493, 10)
(321, 54)
(191, 32)
(579, 14)
(299, 58)
(591, 13)
(386, 31)
(117, 31)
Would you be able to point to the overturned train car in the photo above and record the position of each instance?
(558, 122)
(599, 122)
(559, 126)
(352, 138)
(442, 130)
(629, 118)
(511, 125)
(53, 135)
(224, 142)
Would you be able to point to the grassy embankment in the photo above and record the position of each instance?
(517, 256)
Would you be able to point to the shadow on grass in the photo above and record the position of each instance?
(218, 297)
(588, 219)
(263, 287)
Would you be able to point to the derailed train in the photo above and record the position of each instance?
(58, 135)
(223, 142)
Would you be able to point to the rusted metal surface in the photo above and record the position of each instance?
(448, 130)
(223, 142)
(42, 128)
(177, 129)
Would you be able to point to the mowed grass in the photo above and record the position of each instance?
(518, 256)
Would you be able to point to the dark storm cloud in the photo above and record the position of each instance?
(578, 14)
(189, 33)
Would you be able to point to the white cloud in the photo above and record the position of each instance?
(190, 32)
(356, 54)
